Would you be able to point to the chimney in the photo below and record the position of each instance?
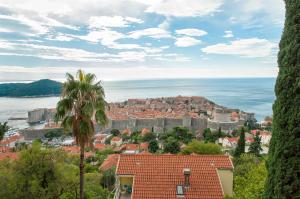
(187, 173)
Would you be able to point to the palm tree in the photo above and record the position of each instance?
(3, 129)
(82, 101)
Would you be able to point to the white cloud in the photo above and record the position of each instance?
(115, 21)
(156, 33)
(191, 32)
(252, 47)
(228, 34)
(183, 8)
(256, 12)
(186, 41)
(6, 30)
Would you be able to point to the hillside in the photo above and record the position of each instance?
(44, 87)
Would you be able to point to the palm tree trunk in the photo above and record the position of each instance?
(81, 167)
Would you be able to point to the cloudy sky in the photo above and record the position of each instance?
(139, 39)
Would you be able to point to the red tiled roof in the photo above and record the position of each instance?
(130, 147)
(9, 155)
(145, 131)
(100, 147)
(144, 146)
(156, 176)
(116, 139)
(109, 162)
(11, 139)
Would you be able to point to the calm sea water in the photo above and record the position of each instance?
(248, 94)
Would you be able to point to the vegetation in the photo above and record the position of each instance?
(115, 132)
(210, 136)
(249, 177)
(54, 133)
(153, 146)
(255, 146)
(284, 155)
(3, 129)
(240, 149)
(46, 173)
(148, 137)
(44, 87)
(201, 148)
(82, 100)
(171, 145)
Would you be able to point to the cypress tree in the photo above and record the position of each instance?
(255, 146)
(284, 156)
(241, 144)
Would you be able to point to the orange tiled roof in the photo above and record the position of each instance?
(156, 176)
(9, 155)
(11, 139)
(109, 162)
(144, 146)
(100, 147)
(116, 139)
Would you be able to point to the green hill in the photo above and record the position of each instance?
(43, 87)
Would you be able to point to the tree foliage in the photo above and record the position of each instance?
(3, 129)
(82, 100)
(45, 173)
(240, 149)
(153, 146)
(284, 154)
(255, 146)
(201, 148)
(171, 145)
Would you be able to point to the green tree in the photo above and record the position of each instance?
(3, 129)
(115, 132)
(82, 99)
(182, 134)
(255, 146)
(251, 185)
(284, 155)
(148, 137)
(201, 148)
(209, 136)
(108, 178)
(240, 149)
(153, 146)
(171, 145)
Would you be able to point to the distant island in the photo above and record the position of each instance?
(40, 88)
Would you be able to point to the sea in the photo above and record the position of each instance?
(254, 95)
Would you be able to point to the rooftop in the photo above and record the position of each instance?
(157, 176)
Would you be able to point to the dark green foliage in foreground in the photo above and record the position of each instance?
(249, 177)
(284, 155)
(148, 137)
(46, 174)
(201, 148)
(240, 149)
(44, 87)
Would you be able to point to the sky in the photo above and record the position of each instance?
(139, 39)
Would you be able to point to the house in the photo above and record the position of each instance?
(76, 150)
(130, 148)
(110, 162)
(145, 131)
(12, 140)
(100, 138)
(169, 176)
(116, 141)
(229, 142)
(264, 135)
(10, 155)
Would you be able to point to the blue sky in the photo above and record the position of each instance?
(139, 39)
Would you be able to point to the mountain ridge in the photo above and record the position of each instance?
(40, 88)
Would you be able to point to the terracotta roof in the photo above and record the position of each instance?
(145, 131)
(11, 139)
(9, 155)
(109, 162)
(130, 147)
(156, 176)
(116, 139)
(144, 146)
(100, 147)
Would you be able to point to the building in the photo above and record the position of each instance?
(150, 176)
(116, 141)
(265, 136)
